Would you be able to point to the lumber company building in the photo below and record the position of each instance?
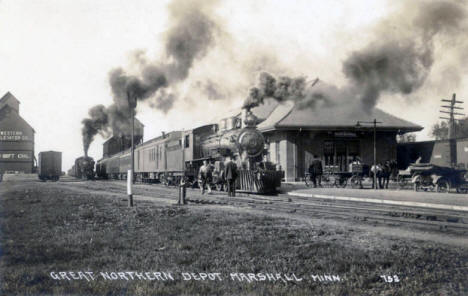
(294, 135)
(16, 138)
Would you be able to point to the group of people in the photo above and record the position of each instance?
(229, 174)
(382, 172)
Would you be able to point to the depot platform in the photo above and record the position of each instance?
(447, 201)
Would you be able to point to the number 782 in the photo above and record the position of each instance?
(390, 278)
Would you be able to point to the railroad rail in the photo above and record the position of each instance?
(447, 221)
(436, 220)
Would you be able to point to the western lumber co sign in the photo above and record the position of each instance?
(13, 136)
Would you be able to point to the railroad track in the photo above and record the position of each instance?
(436, 220)
(431, 219)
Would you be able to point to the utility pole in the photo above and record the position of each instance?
(182, 188)
(452, 127)
(374, 123)
(132, 102)
(450, 109)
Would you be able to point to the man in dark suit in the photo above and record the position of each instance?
(316, 171)
(230, 173)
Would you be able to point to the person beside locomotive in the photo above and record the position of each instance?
(230, 173)
(204, 177)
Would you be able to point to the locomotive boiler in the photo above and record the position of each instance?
(243, 142)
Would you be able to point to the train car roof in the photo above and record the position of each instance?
(432, 141)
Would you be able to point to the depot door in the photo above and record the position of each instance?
(340, 153)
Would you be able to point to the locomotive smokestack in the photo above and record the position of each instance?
(249, 119)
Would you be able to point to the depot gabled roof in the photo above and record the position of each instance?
(288, 116)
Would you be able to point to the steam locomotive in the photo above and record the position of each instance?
(83, 168)
(179, 154)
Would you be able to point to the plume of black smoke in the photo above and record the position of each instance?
(212, 90)
(189, 37)
(282, 89)
(164, 101)
(402, 64)
(398, 64)
(96, 123)
(393, 67)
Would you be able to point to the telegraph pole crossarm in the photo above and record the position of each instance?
(132, 102)
(450, 109)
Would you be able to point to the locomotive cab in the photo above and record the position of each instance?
(230, 123)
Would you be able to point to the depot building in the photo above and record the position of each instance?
(335, 134)
(16, 138)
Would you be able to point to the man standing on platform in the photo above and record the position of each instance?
(230, 173)
(316, 171)
(204, 177)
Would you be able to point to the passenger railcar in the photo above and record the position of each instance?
(49, 165)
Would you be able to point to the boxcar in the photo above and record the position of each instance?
(49, 165)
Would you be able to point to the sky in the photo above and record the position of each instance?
(56, 57)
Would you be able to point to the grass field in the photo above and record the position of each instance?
(47, 230)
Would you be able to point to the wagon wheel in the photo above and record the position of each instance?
(164, 180)
(416, 186)
(327, 180)
(442, 186)
(402, 181)
(340, 182)
(355, 182)
(462, 190)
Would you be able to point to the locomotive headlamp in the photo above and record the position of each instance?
(252, 142)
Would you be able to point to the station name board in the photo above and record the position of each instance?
(15, 156)
(345, 134)
(13, 136)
